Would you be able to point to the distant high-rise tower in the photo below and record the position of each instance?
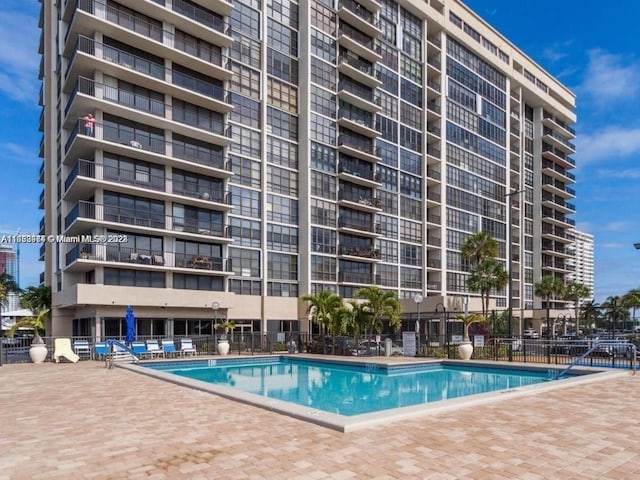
(582, 260)
(9, 260)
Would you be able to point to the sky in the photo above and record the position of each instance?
(591, 46)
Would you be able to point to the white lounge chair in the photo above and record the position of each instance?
(154, 349)
(82, 348)
(186, 347)
(63, 349)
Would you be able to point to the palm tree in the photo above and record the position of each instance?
(7, 286)
(468, 320)
(478, 247)
(612, 305)
(631, 299)
(322, 306)
(355, 318)
(575, 292)
(36, 298)
(591, 312)
(380, 303)
(36, 323)
(488, 275)
(546, 288)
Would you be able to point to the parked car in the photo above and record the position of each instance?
(618, 347)
(531, 333)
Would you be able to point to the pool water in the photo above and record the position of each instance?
(348, 389)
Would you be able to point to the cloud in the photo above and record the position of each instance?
(557, 51)
(623, 173)
(19, 153)
(613, 245)
(19, 58)
(609, 77)
(608, 144)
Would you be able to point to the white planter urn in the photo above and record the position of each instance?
(223, 347)
(465, 350)
(38, 352)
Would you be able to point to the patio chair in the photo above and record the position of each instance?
(100, 349)
(154, 349)
(63, 349)
(82, 348)
(169, 348)
(186, 347)
(140, 349)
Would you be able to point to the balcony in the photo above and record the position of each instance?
(556, 171)
(557, 141)
(358, 42)
(354, 172)
(359, 227)
(89, 55)
(138, 31)
(365, 254)
(357, 15)
(356, 277)
(357, 94)
(359, 201)
(357, 120)
(86, 215)
(357, 68)
(41, 200)
(139, 144)
(549, 120)
(358, 148)
(558, 156)
(41, 173)
(84, 256)
(556, 187)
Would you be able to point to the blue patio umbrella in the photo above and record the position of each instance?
(130, 320)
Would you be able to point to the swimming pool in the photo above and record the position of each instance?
(354, 389)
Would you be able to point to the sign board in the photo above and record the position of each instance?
(377, 338)
(280, 337)
(409, 344)
(455, 339)
(478, 340)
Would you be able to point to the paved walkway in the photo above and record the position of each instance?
(83, 421)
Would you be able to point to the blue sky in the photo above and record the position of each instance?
(591, 46)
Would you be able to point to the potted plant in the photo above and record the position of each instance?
(465, 349)
(223, 342)
(38, 351)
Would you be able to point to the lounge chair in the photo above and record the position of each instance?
(82, 348)
(63, 349)
(169, 348)
(140, 349)
(154, 349)
(186, 347)
(100, 349)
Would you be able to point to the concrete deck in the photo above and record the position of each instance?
(83, 421)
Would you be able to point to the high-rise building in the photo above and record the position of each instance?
(9, 264)
(249, 152)
(582, 260)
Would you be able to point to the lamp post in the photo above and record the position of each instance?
(418, 299)
(215, 306)
(509, 196)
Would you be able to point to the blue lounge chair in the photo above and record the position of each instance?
(169, 348)
(140, 349)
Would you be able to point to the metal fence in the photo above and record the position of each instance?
(515, 349)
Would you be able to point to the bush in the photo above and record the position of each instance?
(279, 347)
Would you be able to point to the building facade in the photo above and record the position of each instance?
(582, 261)
(10, 264)
(249, 152)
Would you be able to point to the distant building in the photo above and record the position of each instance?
(582, 260)
(9, 265)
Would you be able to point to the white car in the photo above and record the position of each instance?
(371, 347)
(531, 333)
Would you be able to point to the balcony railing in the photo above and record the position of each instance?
(357, 224)
(559, 122)
(357, 9)
(357, 197)
(90, 169)
(357, 115)
(139, 256)
(356, 62)
(142, 140)
(363, 145)
(356, 35)
(356, 169)
(200, 15)
(147, 67)
(129, 216)
(356, 89)
(356, 277)
(367, 252)
(551, 133)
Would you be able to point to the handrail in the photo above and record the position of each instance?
(598, 345)
(123, 347)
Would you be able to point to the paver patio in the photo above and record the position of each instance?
(84, 421)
